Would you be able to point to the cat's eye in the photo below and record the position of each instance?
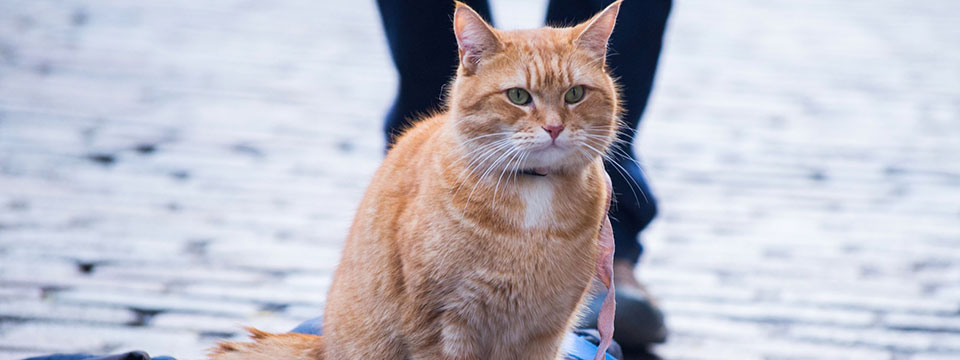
(518, 96)
(574, 95)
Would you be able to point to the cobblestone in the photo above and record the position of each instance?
(173, 170)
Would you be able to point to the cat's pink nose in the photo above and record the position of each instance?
(554, 130)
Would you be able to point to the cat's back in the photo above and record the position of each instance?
(403, 168)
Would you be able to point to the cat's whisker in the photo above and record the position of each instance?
(620, 169)
(626, 174)
(474, 165)
(475, 138)
(468, 154)
(482, 147)
(490, 149)
(604, 137)
(620, 124)
(622, 153)
(477, 160)
(485, 149)
(483, 176)
(601, 138)
(515, 152)
(615, 137)
(637, 199)
(510, 164)
(623, 172)
(516, 172)
(621, 137)
(506, 167)
(516, 168)
(617, 130)
(617, 150)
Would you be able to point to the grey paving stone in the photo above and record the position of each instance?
(900, 341)
(933, 356)
(188, 167)
(31, 309)
(8, 293)
(267, 293)
(156, 302)
(218, 326)
(949, 324)
(775, 313)
(98, 339)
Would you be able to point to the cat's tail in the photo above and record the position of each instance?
(267, 346)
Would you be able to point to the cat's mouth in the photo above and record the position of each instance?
(547, 158)
(552, 148)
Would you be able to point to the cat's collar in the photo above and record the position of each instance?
(535, 172)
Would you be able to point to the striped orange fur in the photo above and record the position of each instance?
(456, 250)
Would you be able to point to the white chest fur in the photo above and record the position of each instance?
(538, 203)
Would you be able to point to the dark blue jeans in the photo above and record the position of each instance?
(424, 51)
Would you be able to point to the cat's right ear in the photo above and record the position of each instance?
(475, 38)
(595, 33)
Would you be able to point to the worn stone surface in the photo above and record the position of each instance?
(172, 170)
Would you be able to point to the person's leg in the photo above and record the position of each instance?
(424, 50)
(634, 51)
(636, 44)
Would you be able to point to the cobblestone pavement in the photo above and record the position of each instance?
(171, 170)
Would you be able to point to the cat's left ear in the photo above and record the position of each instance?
(594, 34)
(475, 38)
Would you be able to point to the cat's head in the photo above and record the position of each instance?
(538, 99)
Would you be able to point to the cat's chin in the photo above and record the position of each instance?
(549, 155)
(552, 159)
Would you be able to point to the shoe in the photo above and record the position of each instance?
(638, 321)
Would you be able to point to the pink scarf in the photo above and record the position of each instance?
(605, 273)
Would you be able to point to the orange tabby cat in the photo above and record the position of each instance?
(478, 236)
